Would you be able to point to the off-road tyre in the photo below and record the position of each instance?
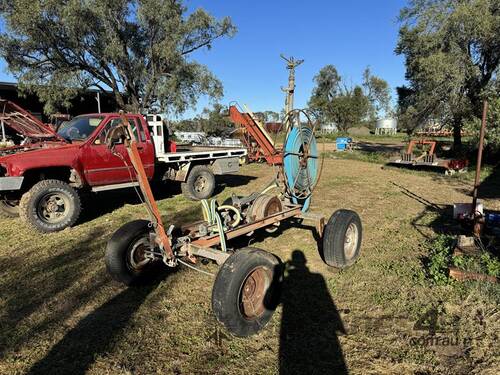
(200, 183)
(339, 249)
(119, 251)
(256, 274)
(30, 206)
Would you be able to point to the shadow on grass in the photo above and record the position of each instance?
(389, 149)
(31, 285)
(310, 323)
(490, 186)
(95, 334)
(437, 171)
(230, 181)
(438, 217)
(261, 234)
(99, 204)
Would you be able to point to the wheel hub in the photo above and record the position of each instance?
(200, 183)
(53, 207)
(351, 241)
(253, 293)
(137, 255)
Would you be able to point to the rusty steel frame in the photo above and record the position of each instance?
(266, 148)
(478, 218)
(447, 164)
(142, 179)
(422, 142)
(202, 246)
(209, 241)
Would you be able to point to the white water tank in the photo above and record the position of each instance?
(386, 126)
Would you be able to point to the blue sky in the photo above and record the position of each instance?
(347, 34)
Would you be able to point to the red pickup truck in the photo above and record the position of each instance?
(43, 171)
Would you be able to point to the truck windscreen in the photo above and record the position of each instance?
(80, 128)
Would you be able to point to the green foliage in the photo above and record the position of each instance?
(139, 49)
(486, 264)
(346, 106)
(212, 121)
(267, 116)
(215, 121)
(490, 264)
(379, 93)
(492, 135)
(452, 55)
(439, 259)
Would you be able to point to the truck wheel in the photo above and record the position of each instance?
(246, 291)
(9, 208)
(200, 183)
(50, 206)
(342, 239)
(125, 260)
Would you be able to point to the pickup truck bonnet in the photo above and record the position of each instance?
(23, 122)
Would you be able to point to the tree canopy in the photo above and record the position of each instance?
(379, 94)
(452, 54)
(346, 105)
(138, 49)
(213, 121)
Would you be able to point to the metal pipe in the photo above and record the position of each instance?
(477, 179)
(98, 98)
(4, 138)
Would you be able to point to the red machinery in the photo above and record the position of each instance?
(258, 142)
(428, 158)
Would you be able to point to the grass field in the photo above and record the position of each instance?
(61, 313)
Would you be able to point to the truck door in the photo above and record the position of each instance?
(102, 167)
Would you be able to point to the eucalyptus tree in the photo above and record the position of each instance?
(141, 50)
(452, 55)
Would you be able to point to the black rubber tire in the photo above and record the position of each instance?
(189, 187)
(334, 237)
(7, 209)
(227, 289)
(119, 247)
(28, 206)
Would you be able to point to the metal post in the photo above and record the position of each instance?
(290, 90)
(477, 218)
(98, 98)
(4, 138)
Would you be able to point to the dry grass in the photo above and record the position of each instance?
(61, 313)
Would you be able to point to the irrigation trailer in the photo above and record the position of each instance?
(247, 286)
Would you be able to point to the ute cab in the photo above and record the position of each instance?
(42, 172)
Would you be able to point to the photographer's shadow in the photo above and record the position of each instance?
(310, 323)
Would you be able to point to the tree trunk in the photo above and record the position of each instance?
(457, 135)
(119, 99)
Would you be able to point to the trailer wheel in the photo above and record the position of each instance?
(50, 206)
(342, 239)
(9, 208)
(125, 260)
(200, 183)
(246, 291)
